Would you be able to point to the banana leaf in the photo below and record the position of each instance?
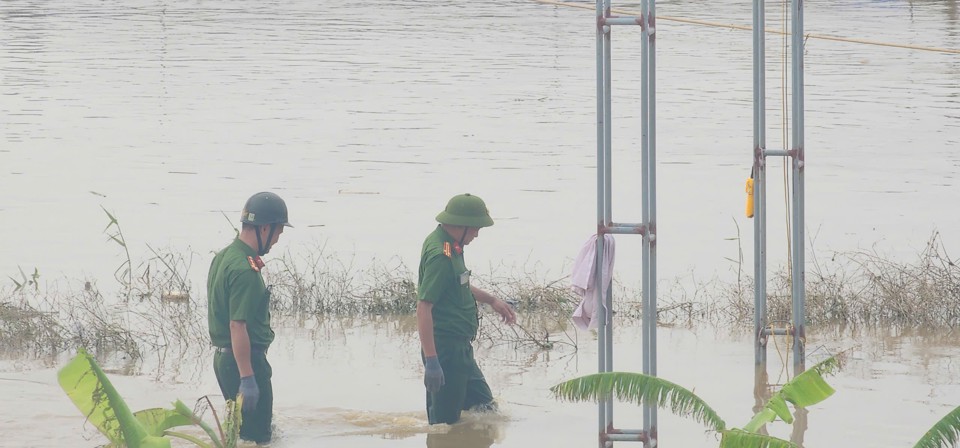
(639, 388)
(738, 438)
(944, 434)
(193, 419)
(805, 389)
(91, 391)
(158, 420)
(196, 441)
(766, 415)
(93, 394)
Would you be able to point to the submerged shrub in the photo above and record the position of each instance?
(154, 310)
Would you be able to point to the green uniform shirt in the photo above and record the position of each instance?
(235, 291)
(444, 281)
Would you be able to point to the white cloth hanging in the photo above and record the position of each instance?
(583, 277)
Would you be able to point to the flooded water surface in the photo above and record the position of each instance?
(366, 116)
(350, 383)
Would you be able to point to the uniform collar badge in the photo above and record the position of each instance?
(448, 250)
(255, 263)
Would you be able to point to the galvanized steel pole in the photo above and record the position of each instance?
(799, 246)
(603, 194)
(649, 204)
(760, 183)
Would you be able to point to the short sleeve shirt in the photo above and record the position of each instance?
(236, 291)
(444, 281)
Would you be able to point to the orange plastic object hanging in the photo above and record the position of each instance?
(749, 197)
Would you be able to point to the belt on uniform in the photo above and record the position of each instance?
(451, 338)
(253, 349)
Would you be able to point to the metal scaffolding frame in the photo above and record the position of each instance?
(608, 433)
(762, 328)
(605, 225)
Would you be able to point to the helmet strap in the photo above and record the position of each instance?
(273, 229)
(259, 242)
(261, 249)
(463, 236)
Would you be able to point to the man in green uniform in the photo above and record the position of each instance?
(239, 314)
(447, 318)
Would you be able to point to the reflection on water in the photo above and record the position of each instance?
(799, 425)
(387, 425)
(473, 432)
(762, 391)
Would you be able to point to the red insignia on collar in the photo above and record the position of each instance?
(448, 250)
(255, 263)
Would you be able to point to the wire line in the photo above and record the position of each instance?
(748, 28)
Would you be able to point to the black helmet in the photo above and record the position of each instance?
(265, 208)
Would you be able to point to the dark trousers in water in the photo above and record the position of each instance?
(464, 385)
(256, 425)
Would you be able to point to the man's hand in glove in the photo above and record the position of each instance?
(250, 392)
(433, 374)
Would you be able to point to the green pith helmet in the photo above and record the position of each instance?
(265, 208)
(466, 210)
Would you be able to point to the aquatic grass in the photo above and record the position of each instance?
(529, 291)
(124, 272)
(156, 313)
(24, 281)
(152, 312)
(864, 288)
(530, 331)
(27, 330)
(861, 288)
(319, 283)
(58, 316)
(924, 293)
(543, 308)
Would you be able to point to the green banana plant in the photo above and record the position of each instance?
(94, 395)
(943, 434)
(806, 389)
